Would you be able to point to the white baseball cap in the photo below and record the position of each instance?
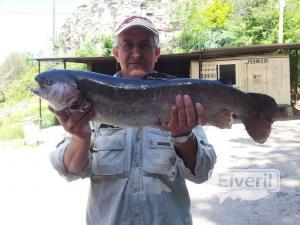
(136, 21)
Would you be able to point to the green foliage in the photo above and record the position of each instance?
(60, 46)
(292, 21)
(20, 89)
(190, 38)
(90, 47)
(11, 125)
(201, 24)
(217, 14)
(11, 68)
(2, 96)
(217, 23)
(17, 86)
(11, 131)
(258, 26)
(20, 102)
(48, 118)
(17, 97)
(107, 45)
(87, 49)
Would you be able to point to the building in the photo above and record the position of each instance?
(266, 74)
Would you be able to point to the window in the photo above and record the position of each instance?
(227, 74)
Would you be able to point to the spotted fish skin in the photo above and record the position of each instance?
(139, 102)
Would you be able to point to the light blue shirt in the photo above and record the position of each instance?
(136, 176)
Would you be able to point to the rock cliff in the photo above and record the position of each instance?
(99, 18)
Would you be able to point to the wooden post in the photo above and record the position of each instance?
(200, 66)
(40, 100)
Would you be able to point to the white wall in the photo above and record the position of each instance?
(266, 74)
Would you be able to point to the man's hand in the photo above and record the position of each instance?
(184, 116)
(76, 122)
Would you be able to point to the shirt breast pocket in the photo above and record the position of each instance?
(109, 156)
(159, 155)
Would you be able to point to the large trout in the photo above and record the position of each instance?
(138, 102)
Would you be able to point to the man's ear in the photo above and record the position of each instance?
(157, 54)
(116, 54)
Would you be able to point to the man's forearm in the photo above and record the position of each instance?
(76, 156)
(187, 152)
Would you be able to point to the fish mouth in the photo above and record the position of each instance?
(38, 90)
(35, 90)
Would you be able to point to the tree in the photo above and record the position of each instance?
(257, 25)
(88, 48)
(217, 23)
(216, 14)
(292, 21)
(107, 45)
(11, 68)
(202, 24)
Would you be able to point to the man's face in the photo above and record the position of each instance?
(136, 52)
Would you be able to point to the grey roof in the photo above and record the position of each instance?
(203, 54)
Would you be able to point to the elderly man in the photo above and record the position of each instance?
(137, 174)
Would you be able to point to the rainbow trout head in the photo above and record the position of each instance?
(60, 92)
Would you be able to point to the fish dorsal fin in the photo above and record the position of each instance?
(158, 76)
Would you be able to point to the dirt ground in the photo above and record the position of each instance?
(32, 193)
(236, 151)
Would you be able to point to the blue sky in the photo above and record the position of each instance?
(27, 25)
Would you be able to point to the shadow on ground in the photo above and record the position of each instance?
(237, 151)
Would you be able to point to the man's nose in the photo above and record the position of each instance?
(136, 50)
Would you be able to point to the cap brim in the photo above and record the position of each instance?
(136, 25)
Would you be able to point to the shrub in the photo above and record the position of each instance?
(11, 126)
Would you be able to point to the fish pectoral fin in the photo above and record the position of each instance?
(158, 76)
(75, 110)
(222, 119)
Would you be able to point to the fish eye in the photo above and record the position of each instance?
(47, 81)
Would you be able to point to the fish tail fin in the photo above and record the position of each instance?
(259, 125)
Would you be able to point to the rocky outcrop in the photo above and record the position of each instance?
(99, 18)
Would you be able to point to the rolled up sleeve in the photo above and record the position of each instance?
(57, 161)
(205, 159)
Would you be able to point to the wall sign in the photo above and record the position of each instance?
(258, 60)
